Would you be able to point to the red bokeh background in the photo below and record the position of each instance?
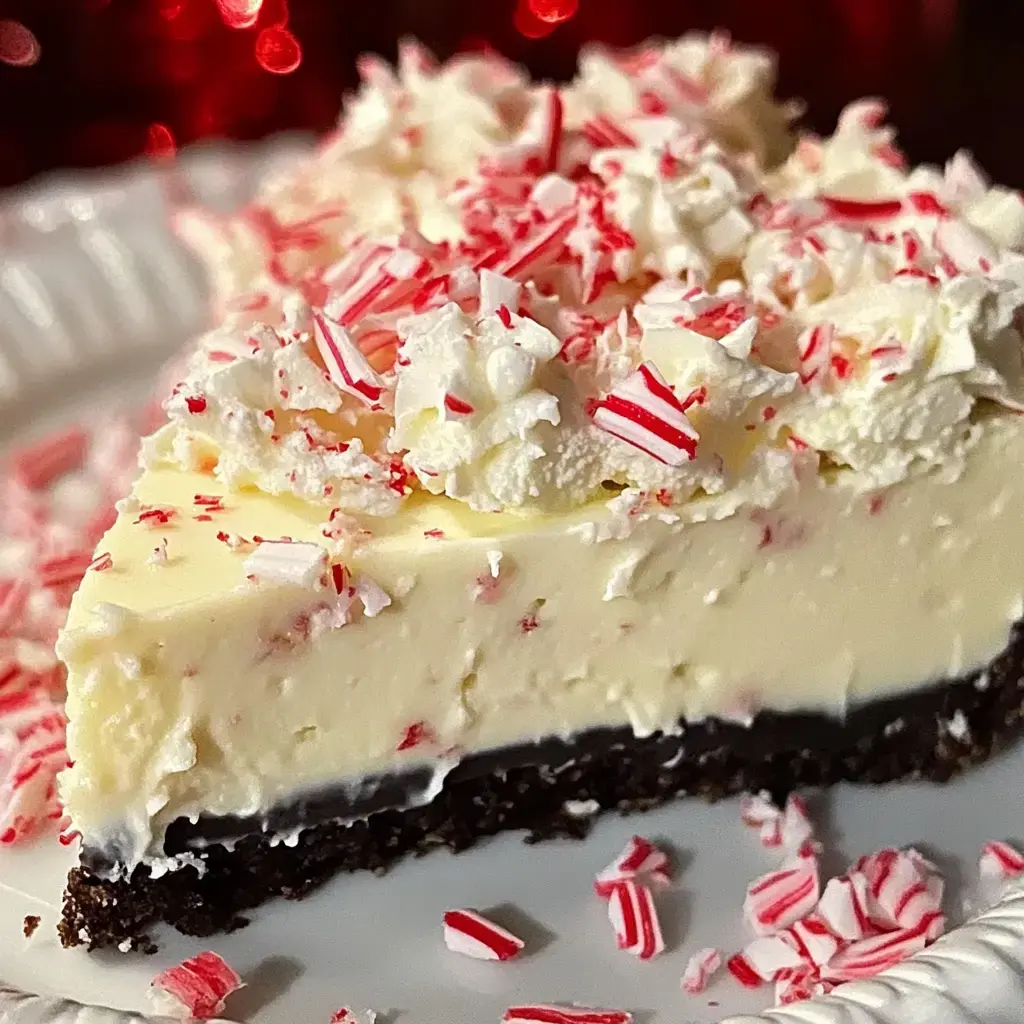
(115, 77)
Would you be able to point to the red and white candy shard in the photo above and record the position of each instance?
(497, 291)
(800, 985)
(815, 348)
(644, 411)
(199, 986)
(633, 915)
(640, 860)
(844, 906)
(472, 934)
(55, 535)
(346, 1015)
(699, 970)
(812, 938)
(968, 248)
(32, 752)
(789, 827)
(1000, 860)
(758, 810)
(549, 1013)
(38, 465)
(796, 828)
(779, 898)
(764, 959)
(298, 562)
(903, 888)
(346, 365)
(866, 957)
(373, 596)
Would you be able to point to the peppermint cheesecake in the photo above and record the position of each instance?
(558, 450)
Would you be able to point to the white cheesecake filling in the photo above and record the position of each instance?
(200, 691)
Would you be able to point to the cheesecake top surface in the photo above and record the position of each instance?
(523, 298)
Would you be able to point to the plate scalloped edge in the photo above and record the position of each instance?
(973, 974)
(17, 1007)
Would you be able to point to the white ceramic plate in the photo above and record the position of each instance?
(94, 294)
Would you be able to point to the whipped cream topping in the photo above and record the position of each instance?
(705, 82)
(683, 203)
(411, 133)
(401, 143)
(615, 290)
(468, 405)
(271, 418)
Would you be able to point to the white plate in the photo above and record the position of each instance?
(94, 294)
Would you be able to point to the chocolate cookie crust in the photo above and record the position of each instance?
(932, 733)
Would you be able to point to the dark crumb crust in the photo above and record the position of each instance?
(904, 737)
(30, 924)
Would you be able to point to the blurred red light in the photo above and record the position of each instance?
(278, 51)
(170, 9)
(239, 13)
(528, 24)
(18, 46)
(160, 144)
(554, 11)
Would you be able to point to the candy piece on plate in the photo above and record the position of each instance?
(196, 988)
(472, 934)
(779, 898)
(641, 860)
(635, 920)
(699, 970)
(549, 1013)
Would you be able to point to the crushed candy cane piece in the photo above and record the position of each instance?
(199, 986)
(800, 985)
(497, 291)
(348, 368)
(158, 556)
(156, 515)
(63, 570)
(644, 411)
(903, 888)
(39, 464)
(813, 940)
(633, 915)
(844, 906)
(1000, 860)
(298, 562)
(544, 1013)
(778, 898)
(867, 957)
(101, 562)
(740, 968)
(700, 968)
(373, 596)
(472, 934)
(31, 755)
(640, 860)
(789, 827)
(767, 957)
(414, 734)
(758, 810)
(795, 827)
(346, 1015)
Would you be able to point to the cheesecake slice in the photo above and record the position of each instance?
(628, 467)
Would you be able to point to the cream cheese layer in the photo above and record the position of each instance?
(194, 689)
